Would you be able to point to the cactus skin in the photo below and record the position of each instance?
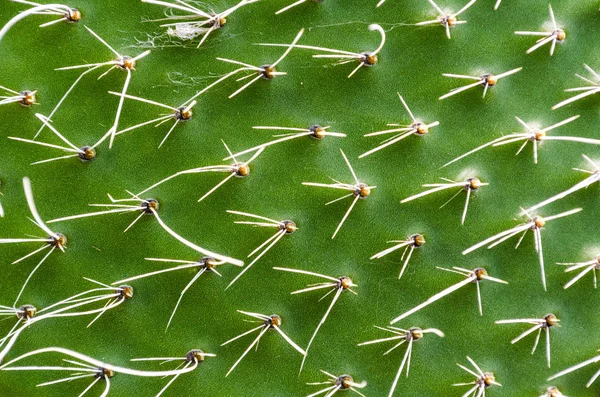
(412, 63)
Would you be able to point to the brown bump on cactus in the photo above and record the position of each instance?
(338, 382)
(208, 22)
(206, 263)
(267, 72)
(283, 228)
(314, 131)
(179, 114)
(65, 13)
(359, 190)
(339, 285)
(469, 185)
(556, 35)
(486, 80)
(368, 58)
(409, 336)
(539, 325)
(476, 276)
(448, 21)
(483, 380)
(400, 131)
(144, 206)
(534, 223)
(412, 242)
(267, 322)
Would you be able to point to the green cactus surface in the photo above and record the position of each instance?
(314, 92)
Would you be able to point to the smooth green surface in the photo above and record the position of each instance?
(411, 63)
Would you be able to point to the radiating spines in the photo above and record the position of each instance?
(205, 264)
(531, 134)
(357, 189)
(367, 58)
(119, 206)
(556, 35)
(486, 80)
(239, 169)
(122, 62)
(594, 176)
(476, 276)
(267, 72)
(83, 371)
(401, 131)
(337, 383)
(413, 242)
(447, 20)
(81, 304)
(24, 314)
(84, 153)
(283, 228)
(469, 185)
(267, 322)
(195, 22)
(403, 336)
(65, 12)
(337, 284)
(585, 91)
(490, 6)
(315, 131)
(54, 240)
(192, 359)
(77, 305)
(535, 223)
(24, 98)
(482, 381)
(585, 268)
(178, 114)
(125, 63)
(539, 324)
(87, 366)
(576, 367)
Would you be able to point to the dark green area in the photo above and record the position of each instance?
(411, 63)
